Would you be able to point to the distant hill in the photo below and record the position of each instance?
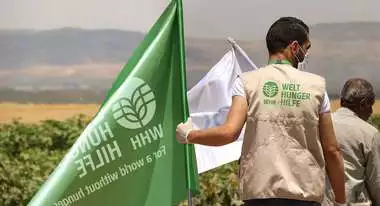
(353, 31)
(65, 46)
(81, 96)
(86, 61)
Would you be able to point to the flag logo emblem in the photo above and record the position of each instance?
(137, 108)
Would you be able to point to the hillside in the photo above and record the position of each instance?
(86, 61)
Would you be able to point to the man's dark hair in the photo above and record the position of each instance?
(355, 91)
(284, 31)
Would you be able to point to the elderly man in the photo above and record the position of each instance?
(359, 143)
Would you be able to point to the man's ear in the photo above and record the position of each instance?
(364, 103)
(293, 48)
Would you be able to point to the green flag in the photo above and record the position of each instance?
(128, 154)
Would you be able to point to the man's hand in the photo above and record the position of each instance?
(220, 135)
(183, 130)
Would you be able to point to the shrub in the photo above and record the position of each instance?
(30, 152)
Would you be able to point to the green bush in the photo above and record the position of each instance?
(375, 120)
(30, 152)
(219, 187)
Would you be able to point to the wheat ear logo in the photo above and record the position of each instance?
(137, 108)
(270, 89)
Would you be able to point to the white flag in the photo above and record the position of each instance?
(209, 103)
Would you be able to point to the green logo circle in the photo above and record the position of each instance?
(270, 89)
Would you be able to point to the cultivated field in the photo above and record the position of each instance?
(38, 112)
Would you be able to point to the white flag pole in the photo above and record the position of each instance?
(242, 52)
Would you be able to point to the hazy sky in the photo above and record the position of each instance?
(242, 19)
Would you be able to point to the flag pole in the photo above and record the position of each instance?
(189, 148)
(241, 51)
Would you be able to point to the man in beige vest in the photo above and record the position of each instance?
(289, 133)
(359, 142)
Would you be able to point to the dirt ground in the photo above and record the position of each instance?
(38, 112)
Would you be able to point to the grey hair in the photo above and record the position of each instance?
(355, 90)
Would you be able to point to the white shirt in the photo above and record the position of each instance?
(238, 90)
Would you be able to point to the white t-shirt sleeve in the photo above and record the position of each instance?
(325, 106)
(238, 88)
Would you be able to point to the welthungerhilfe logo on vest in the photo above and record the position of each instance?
(291, 94)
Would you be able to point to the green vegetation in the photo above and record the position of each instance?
(30, 152)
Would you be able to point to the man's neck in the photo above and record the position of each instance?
(278, 58)
(353, 111)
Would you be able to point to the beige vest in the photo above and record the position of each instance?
(282, 154)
